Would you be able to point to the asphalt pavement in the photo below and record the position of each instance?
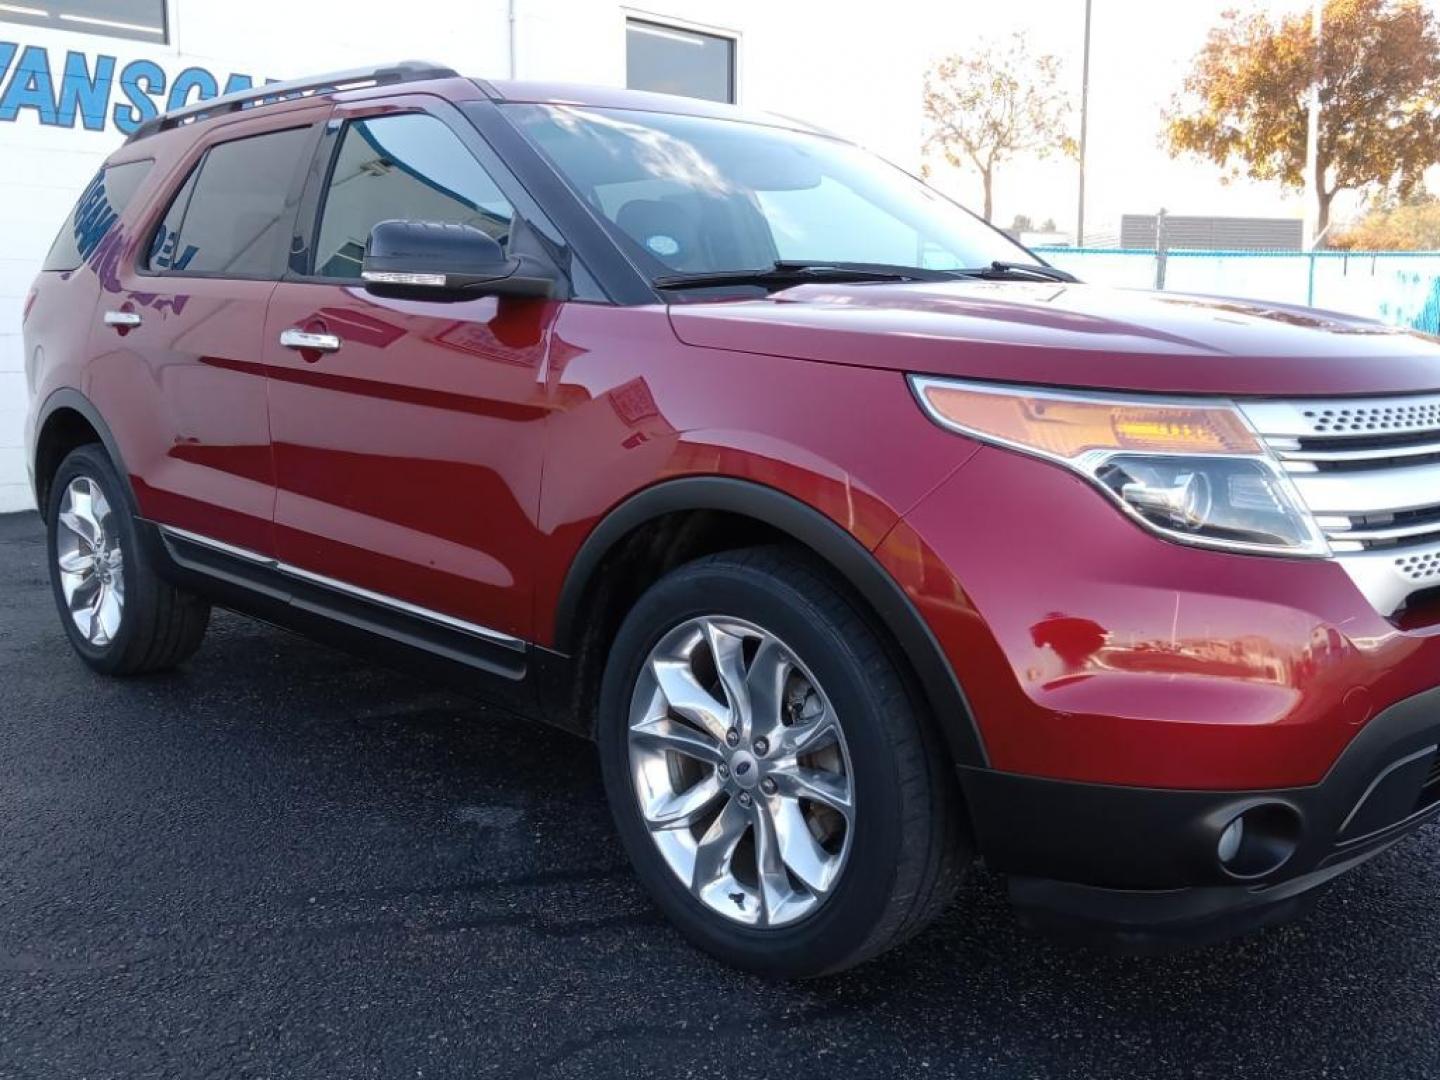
(281, 862)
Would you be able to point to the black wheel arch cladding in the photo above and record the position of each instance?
(808, 527)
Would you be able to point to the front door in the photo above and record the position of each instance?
(407, 434)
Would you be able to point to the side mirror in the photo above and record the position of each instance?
(429, 260)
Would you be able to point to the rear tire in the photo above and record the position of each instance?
(902, 850)
(119, 614)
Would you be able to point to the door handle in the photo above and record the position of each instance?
(122, 318)
(304, 340)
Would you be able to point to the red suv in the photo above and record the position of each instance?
(863, 542)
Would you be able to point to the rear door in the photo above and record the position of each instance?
(181, 333)
(408, 449)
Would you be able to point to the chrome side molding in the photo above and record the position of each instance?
(404, 607)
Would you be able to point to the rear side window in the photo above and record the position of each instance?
(101, 204)
(402, 168)
(233, 215)
(165, 250)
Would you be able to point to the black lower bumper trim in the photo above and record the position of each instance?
(1146, 919)
(1145, 859)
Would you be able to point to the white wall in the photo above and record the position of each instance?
(833, 63)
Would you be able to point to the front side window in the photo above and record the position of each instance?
(234, 215)
(694, 194)
(143, 20)
(674, 60)
(165, 250)
(409, 167)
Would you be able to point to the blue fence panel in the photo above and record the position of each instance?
(1400, 288)
(1280, 279)
(1130, 268)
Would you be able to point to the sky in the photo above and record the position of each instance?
(1140, 53)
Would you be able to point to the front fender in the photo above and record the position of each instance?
(813, 530)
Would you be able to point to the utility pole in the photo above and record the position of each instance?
(1162, 246)
(1312, 132)
(1084, 123)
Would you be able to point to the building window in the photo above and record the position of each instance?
(143, 20)
(676, 60)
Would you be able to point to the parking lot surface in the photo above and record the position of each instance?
(281, 862)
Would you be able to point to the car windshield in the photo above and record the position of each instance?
(691, 195)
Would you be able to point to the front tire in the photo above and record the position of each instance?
(121, 617)
(772, 779)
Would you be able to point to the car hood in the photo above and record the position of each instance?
(1073, 335)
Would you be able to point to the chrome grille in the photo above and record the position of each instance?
(1354, 418)
(1369, 470)
(1420, 567)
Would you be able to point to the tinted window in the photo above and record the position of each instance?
(237, 221)
(165, 251)
(143, 20)
(394, 168)
(670, 60)
(101, 204)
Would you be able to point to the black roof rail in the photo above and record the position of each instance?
(270, 93)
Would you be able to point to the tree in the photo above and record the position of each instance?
(1245, 103)
(997, 103)
(1411, 225)
(1022, 223)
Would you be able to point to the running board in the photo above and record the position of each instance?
(314, 594)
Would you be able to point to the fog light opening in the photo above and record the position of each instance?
(1258, 841)
(1230, 840)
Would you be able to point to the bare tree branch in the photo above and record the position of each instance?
(995, 104)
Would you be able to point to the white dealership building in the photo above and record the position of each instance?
(77, 75)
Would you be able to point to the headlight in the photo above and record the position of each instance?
(1190, 470)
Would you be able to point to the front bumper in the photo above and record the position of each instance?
(1133, 695)
(1092, 650)
(1144, 921)
(1144, 862)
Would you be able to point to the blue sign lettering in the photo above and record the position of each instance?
(138, 81)
(239, 82)
(96, 90)
(192, 78)
(82, 91)
(30, 87)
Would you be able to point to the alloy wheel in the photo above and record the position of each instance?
(740, 770)
(91, 562)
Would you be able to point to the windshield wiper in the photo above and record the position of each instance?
(786, 272)
(1002, 271)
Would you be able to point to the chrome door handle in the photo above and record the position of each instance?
(303, 339)
(122, 318)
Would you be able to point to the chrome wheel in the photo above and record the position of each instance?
(90, 561)
(741, 772)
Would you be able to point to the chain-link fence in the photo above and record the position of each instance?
(1401, 288)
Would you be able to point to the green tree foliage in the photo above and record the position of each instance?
(1411, 225)
(1245, 102)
